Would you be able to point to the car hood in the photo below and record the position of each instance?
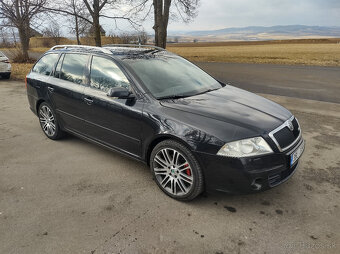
(234, 106)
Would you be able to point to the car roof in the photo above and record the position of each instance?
(119, 50)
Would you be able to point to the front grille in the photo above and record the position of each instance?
(283, 136)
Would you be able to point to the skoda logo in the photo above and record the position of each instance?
(290, 125)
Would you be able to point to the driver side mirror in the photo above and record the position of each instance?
(120, 93)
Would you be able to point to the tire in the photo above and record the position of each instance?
(48, 122)
(176, 171)
(6, 76)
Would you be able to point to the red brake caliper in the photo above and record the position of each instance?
(188, 169)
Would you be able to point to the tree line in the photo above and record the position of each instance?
(23, 15)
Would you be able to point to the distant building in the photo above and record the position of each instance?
(91, 31)
(35, 33)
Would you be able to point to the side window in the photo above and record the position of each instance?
(45, 64)
(105, 74)
(73, 68)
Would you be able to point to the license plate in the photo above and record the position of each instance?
(297, 153)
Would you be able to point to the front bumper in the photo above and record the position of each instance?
(247, 175)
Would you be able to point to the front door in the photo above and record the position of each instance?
(112, 121)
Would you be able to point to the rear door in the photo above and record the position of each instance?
(66, 90)
(112, 121)
(38, 79)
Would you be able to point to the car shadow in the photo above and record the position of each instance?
(273, 199)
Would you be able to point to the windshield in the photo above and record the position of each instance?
(170, 76)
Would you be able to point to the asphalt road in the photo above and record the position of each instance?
(71, 196)
(307, 82)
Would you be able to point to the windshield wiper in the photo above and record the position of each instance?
(207, 91)
(178, 96)
(173, 97)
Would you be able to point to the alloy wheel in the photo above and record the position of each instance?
(173, 171)
(47, 120)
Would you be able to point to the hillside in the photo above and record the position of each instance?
(255, 33)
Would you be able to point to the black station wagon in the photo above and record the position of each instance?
(195, 132)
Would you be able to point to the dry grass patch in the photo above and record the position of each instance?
(39, 50)
(20, 70)
(305, 54)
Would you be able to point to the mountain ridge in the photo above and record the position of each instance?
(261, 32)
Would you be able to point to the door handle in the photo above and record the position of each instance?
(51, 89)
(88, 100)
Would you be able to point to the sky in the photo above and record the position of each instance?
(218, 14)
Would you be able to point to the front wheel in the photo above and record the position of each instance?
(48, 122)
(176, 170)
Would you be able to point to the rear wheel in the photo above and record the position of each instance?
(176, 170)
(48, 122)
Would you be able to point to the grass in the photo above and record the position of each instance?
(20, 70)
(39, 49)
(301, 54)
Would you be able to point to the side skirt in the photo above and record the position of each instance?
(114, 149)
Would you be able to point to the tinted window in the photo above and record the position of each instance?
(73, 68)
(45, 64)
(169, 75)
(105, 74)
(58, 67)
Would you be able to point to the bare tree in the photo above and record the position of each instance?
(79, 26)
(54, 32)
(13, 36)
(96, 9)
(20, 14)
(163, 10)
(4, 37)
(186, 9)
(134, 38)
(143, 37)
(161, 20)
(127, 38)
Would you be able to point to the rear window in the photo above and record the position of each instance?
(46, 64)
(73, 68)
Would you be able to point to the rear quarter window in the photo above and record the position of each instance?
(46, 64)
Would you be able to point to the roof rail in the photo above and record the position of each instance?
(81, 47)
(134, 46)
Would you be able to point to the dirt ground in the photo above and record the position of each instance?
(71, 196)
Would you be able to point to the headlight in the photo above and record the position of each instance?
(245, 148)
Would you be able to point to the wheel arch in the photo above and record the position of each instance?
(161, 138)
(38, 105)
